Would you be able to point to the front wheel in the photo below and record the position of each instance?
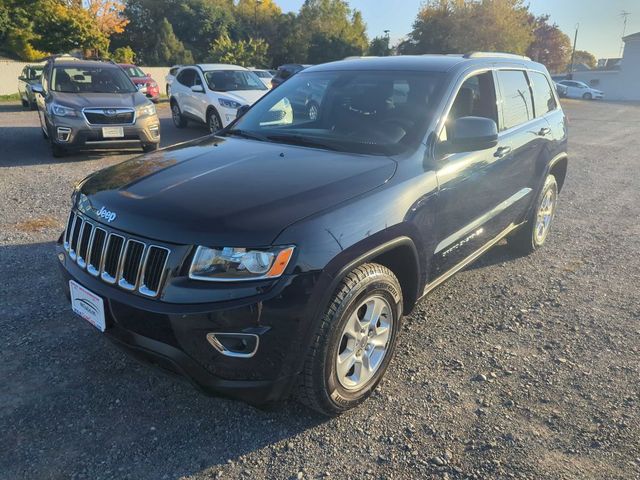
(532, 235)
(150, 147)
(214, 124)
(178, 120)
(587, 96)
(354, 342)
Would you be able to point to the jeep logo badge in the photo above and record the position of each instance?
(108, 215)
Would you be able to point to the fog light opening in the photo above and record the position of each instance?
(237, 345)
(155, 131)
(63, 134)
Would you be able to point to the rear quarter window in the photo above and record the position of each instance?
(544, 100)
(517, 104)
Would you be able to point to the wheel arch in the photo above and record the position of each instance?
(399, 255)
(558, 168)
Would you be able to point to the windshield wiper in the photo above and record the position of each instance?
(300, 140)
(245, 134)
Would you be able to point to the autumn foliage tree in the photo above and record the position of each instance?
(550, 45)
(108, 15)
(461, 26)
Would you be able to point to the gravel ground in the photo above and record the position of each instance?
(516, 368)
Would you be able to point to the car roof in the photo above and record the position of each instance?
(431, 62)
(208, 67)
(84, 63)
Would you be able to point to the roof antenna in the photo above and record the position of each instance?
(625, 15)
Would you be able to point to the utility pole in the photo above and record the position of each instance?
(624, 14)
(573, 53)
(386, 35)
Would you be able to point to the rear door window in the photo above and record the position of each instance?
(544, 101)
(517, 104)
(186, 77)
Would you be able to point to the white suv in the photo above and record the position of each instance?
(212, 94)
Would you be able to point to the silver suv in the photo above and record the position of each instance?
(90, 104)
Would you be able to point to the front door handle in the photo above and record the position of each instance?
(502, 151)
(544, 132)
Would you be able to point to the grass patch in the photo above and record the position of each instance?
(14, 97)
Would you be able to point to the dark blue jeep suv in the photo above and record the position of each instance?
(279, 255)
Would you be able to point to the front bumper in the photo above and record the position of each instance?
(75, 133)
(173, 336)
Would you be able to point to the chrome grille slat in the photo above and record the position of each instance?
(94, 258)
(115, 258)
(83, 244)
(75, 237)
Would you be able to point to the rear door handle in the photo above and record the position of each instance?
(502, 151)
(544, 132)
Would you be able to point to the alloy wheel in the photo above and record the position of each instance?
(544, 216)
(364, 343)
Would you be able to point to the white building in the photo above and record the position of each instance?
(622, 84)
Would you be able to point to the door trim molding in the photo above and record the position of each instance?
(480, 221)
(471, 258)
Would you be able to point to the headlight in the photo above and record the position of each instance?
(147, 110)
(152, 84)
(62, 111)
(236, 264)
(229, 103)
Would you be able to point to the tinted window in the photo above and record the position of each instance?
(543, 98)
(476, 98)
(186, 77)
(233, 80)
(517, 106)
(90, 79)
(381, 112)
(134, 71)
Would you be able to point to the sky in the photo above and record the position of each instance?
(600, 21)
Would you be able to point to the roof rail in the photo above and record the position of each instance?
(495, 55)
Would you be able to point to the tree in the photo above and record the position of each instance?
(247, 53)
(330, 29)
(586, 58)
(550, 45)
(166, 49)
(459, 26)
(123, 55)
(108, 15)
(379, 47)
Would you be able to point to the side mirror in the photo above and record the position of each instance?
(242, 110)
(470, 134)
(197, 89)
(37, 88)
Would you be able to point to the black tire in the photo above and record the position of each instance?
(33, 105)
(57, 151)
(167, 89)
(150, 147)
(214, 124)
(319, 386)
(25, 103)
(587, 96)
(527, 239)
(178, 119)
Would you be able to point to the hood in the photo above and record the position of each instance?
(245, 96)
(227, 191)
(100, 100)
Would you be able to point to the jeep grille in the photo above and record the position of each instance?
(114, 258)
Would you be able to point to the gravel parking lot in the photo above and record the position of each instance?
(516, 368)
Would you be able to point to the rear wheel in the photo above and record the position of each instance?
(532, 235)
(354, 342)
(178, 120)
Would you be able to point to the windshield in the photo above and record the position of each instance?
(262, 73)
(383, 112)
(233, 80)
(96, 79)
(134, 71)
